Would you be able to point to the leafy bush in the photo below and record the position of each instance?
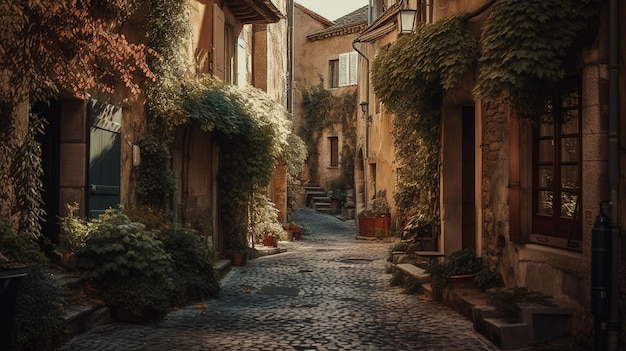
(418, 226)
(378, 206)
(74, 230)
(38, 321)
(193, 275)
(263, 218)
(127, 265)
(488, 278)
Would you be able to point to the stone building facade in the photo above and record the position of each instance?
(324, 57)
(497, 191)
(222, 43)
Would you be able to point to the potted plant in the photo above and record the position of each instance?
(458, 270)
(295, 230)
(337, 197)
(376, 218)
(270, 240)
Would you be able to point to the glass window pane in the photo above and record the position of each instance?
(569, 98)
(568, 204)
(546, 127)
(569, 177)
(545, 178)
(569, 150)
(546, 151)
(569, 122)
(544, 202)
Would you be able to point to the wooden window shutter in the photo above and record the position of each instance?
(343, 69)
(219, 53)
(354, 62)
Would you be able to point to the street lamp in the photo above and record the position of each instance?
(406, 20)
(364, 109)
(363, 105)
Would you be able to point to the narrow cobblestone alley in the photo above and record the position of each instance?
(327, 292)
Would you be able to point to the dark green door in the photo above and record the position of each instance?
(104, 156)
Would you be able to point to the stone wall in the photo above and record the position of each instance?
(495, 175)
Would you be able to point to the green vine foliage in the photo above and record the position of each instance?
(295, 156)
(324, 110)
(27, 172)
(158, 181)
(404, 72)
(253, 132)
(409, 76)
(524, 46)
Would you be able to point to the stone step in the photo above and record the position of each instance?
(536, 324)
(415, 272)
(83, 316)
(321, 199)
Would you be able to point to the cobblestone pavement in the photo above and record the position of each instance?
(327, 292)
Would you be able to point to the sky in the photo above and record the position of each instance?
(332, 9)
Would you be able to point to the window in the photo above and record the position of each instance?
(557, 170)
(343, 72)
(333, 67)
(334, 151)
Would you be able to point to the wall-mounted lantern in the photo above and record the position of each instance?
(406, 20)
(363, 105)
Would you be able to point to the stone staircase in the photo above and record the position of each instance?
(317, 198)
(535, 323)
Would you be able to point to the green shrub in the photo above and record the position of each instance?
(74, 230)
(38, 323)
(488, 278)
(127, 265)
(20, 248)
(193, 275)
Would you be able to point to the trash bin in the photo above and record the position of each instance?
(10, 279)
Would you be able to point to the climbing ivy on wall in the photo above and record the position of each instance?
(522, 51)
(524, 48)
(409, 77)
(253, 132)
(323, 110)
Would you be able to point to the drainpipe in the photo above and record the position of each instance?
(290, 55)
(367, 94)
(613, 169)
(367, 124)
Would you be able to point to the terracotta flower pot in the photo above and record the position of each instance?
(239, 259)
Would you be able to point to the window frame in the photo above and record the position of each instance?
(333, 146)
(555, 229)
(333, 72)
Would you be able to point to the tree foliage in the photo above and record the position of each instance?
(71, 45)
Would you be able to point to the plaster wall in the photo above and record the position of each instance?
(304, 73)
(311, 67)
